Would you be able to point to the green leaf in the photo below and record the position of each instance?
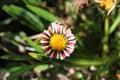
(25, 17)
(80, 42)
(115, 24)
(18, 71)
(31, 43)
(40, 68)
(107, 65)
(16, 57)
(31, 2)
(36, 56)
(43, 13)
(87, 62)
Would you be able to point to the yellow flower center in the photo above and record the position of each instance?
(107, 4)
(58, 42)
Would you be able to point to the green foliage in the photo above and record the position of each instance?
(97, 35)
(115, 24)
(36, 56)
(19, 70)
(16, 57)
(43, 13)
(26, 17)
(31, 43)
(32, 2)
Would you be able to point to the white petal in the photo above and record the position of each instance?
(44, 47)
(47, 33)
(48, 51)
(64, 30)
(61, 29)
(71, 43)
(66, 53)
(61, 56)
(53, 25)
(67, 32)
(44, 36)
(71, 38)
(71, 47)
(69, 50)
(51, 56)
(58, 55)
(50, 29)
(43, 41)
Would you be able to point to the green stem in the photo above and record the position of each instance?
(106, 37)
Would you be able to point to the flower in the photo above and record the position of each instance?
(80, 3)
(108, 5)
(58, 42)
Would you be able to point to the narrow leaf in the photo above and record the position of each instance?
(31, 2)
(43, 13)
(15, 57)
(31, 43)
(35, 55)
(25, 17)
(19, 71)
(115, 24)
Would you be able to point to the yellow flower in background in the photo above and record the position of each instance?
(108, 5)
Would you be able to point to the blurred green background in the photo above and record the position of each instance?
(97, 51)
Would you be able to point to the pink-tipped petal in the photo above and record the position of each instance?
(44, 36)
(66, 53)
(50, 30)
(58, 29)
(62, 56)
(44, 44)
(53, 54)
(44, 39)
(61, 29)
(64, 30)
(47, 33)
(54, 27)
(69, 51)
(71, 37)
(71, 43)
(56, 55)
(44, 47)
(50, 54)
(48, 51)
(71, 47)
(67, 32)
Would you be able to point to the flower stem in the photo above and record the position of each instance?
(106, 37)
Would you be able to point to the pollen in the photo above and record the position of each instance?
(107, 4)
(58, 42)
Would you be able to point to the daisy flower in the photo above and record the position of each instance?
(57, 42)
